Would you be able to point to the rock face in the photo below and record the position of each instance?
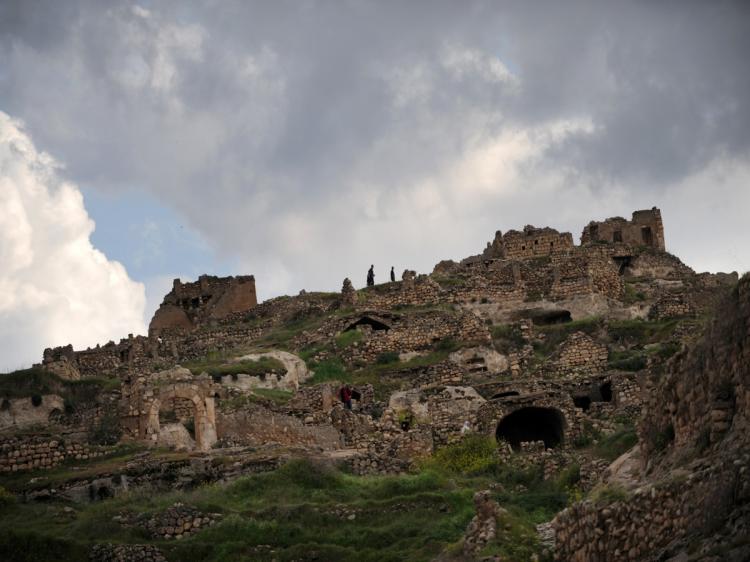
(20, 413)
(296, 371)
(694, 496)
(189, 305)
(483, 527)
(481, 358)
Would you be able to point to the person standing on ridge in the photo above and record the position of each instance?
(393, 275)
(371, 276)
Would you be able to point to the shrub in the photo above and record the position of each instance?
(446, 344)
(609, 493)
(570, 476)
(474, 454)
(614, 445)
(107, 430)
(345, 339)
(627, 361)
(668, 349)
(328, 370)
(631, 295)
(387, 357)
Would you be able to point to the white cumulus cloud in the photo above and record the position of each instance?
(55, 287)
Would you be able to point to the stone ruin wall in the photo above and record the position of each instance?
(701, 405)
(578, 356)
(491, 413)
(672, 304)
(652, 517)
(43, 453)
(529, 243)
(411, 291)
(260, 426)
(644, 229)
(395, 455)
(189, 305)
(419, 333)
(705, 391)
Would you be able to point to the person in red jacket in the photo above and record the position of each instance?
(346, 396)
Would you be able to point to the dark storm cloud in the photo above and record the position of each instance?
(274, 127)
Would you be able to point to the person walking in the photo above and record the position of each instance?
(371, 276)
(393, 275)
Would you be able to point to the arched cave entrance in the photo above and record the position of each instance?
(549, 317)
(605, 391)
(368, 321)
(532, 424)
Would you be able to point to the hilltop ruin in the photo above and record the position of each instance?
(540, 344)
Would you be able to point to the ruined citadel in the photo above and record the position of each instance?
(541, 344)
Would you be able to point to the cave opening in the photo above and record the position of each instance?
(376, 325)
(532, 424)
(582, 402)
(549, 317)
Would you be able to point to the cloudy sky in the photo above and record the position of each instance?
(303, 140)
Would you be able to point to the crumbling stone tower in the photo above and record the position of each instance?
(189, 305)
(644, 229)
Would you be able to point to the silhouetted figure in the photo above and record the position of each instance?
(371, 276)
(393, 275)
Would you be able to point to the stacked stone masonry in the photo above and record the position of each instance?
(36, 453)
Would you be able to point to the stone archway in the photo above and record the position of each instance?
(532, 423)
(204, 414)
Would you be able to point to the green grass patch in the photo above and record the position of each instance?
(608, 493)
(281, 336)
(612, 446)
(507, 337)
(387, 358)
(628, 360)
(345, 339)
(328, 370)
(642, 332)
(296, 512)
(474, 454)
(631, 295)
(277, 395)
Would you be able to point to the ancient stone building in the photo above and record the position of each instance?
(529, 243)
(189, 305)
(644, 229)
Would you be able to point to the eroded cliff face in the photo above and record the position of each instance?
(704, 397)
(691, 500)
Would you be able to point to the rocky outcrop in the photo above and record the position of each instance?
(483, 527)
(296, 370)
(694, 499)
